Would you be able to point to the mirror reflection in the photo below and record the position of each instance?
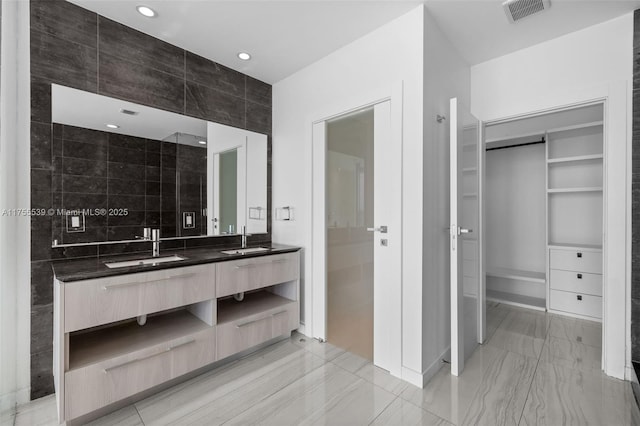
(120, 167)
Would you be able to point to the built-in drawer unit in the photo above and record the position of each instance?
(577, 282)
(260, 317)
(575, 303)
(93, 302)
(108, 364)
(238, 276)
(576, 260)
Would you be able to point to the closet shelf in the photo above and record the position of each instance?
(515, 139)
(576, 127)
(516, 274)
(568, 190)
(575, 246)
(576, 158)
(517, 300)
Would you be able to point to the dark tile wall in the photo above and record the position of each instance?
(101, 170)
(635, 237)
(74, 47)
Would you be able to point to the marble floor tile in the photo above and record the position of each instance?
(7, 418)
(449, 397)
(226, 402)
(127, 416)
(574, 330)
(526, 322)
(503, 391)
(561, 395)
(403, 413)
(40, 412)
(496, 313)
(382, 378)
(358, 404)
(298, 402)
(572, 354)
(325, 350)
(350, 362)
(516, 342)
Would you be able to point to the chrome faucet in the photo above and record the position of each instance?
(152, 235)
(244, 236)
(155, 241)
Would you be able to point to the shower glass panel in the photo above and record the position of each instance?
(349, 195)
(229, 192)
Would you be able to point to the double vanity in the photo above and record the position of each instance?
(132, 325)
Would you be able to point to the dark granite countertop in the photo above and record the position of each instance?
(84, 269)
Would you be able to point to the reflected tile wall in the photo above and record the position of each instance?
(77, 48)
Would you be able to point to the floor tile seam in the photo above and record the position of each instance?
(424, 409)
(379, 386)
(139, 415)
(533, 378)
(579, 343)
(385, 409)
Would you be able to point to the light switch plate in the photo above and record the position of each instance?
(75, 221)
(188, 220)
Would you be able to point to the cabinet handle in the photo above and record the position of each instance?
(278, 313)
(579, 297)
(579, 276)
(250, 322)
(251, 265)
(579, 254)
(169, 349)
(129, 284)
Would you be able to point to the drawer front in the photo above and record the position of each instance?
(95, 386)
(565, 301)
(575, 260)
(236, 336)
(577, 282)
(285, 320)
(94, 302)
(249, 274)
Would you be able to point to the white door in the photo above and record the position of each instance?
(384, 227)
(467, 292)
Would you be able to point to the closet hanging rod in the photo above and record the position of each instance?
(517, 145)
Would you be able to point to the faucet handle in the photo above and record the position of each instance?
(146, 234)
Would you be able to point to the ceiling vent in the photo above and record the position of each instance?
(519, 9)
(128, 111)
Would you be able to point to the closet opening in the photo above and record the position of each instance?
(543, 202)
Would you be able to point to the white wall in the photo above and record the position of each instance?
(15, 287)
(592, 63)
(355, 74)
(446, 75)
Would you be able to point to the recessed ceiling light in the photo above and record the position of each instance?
(202, 142)
(244, 56)
(146, 11)
(113, 126)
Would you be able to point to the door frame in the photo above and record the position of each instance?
(318, 326)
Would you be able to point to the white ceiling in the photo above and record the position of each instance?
(286, 36)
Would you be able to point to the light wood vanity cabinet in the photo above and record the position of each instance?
(102, 355)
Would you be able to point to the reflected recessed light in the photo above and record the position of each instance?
(113, 126)
(146, 11)
(244, 56)
(202, 142)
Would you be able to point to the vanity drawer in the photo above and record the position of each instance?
(94, 386)
(576, 260)
(100, 301)
(239, 335)
(577, 282)
(249, 274)
(565, 301)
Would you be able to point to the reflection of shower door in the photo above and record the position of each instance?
(358, 188)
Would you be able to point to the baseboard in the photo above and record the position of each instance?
(421, 379)
(9, 401)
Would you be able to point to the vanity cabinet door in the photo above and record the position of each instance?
(101, 301)
(249, 274)
(285, 320)
(236, 336)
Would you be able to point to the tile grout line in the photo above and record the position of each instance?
(139, 415)
(384, 409)
(535, 371)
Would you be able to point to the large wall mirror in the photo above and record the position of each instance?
(120, 167)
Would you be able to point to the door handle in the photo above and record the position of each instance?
(465, 231)
(382, 229)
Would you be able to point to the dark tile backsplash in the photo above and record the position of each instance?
(635, 244)
(74, 47)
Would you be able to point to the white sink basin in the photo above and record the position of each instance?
(245, 250)
(142, 262)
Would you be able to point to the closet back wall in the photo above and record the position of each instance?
(515, 208)
(74, 47)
